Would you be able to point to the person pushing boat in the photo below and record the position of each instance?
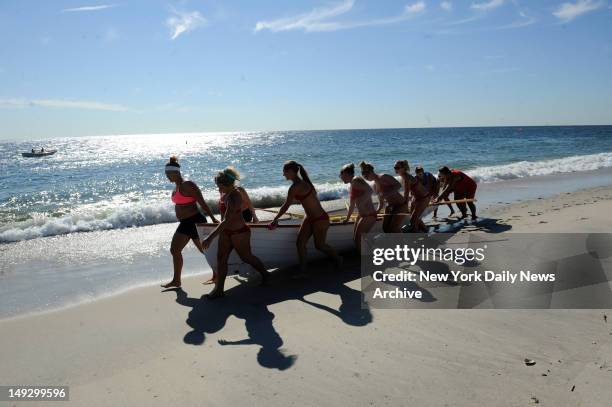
(387, 188)
(413, 188)
(315, 223)
(186, 198)
(361, 198)
(233, 232)
(433, 185)
(462, 186)
(248, 210)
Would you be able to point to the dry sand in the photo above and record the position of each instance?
(308, 342)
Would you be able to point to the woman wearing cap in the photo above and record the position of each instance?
(420, 196)
(316, 221)
(233, 232)
(361, 197)
(387, 188)
(186, 198)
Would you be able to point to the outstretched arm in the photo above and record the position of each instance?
(194, 190)
(230, 211)
(448, 188)
(286, 205)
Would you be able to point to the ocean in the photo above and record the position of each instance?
(97, 214)
(102, 183)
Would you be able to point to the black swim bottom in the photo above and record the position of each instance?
(188, 226)
(247, 215)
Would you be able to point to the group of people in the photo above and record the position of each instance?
(396, 201)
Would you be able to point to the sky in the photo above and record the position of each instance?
(82, 68)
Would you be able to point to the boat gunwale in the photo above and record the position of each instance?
(281, 226)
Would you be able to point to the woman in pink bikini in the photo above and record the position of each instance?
(186, 198)
(387, 188)
(361, 197)
(415, 189)
(316, 221)
(233, 232)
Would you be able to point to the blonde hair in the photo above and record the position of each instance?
(404, 164)
(227, 177)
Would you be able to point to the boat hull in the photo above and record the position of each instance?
(46, 153)
(276, 248)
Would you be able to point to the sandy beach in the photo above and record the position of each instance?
(308, 342)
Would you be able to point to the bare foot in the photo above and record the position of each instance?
(172, 283)
(214, 294)
(211, 281)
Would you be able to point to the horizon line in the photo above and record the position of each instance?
(307, 130)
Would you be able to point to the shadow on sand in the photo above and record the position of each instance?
(250, 303)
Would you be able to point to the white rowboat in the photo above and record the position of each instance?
(276, 248)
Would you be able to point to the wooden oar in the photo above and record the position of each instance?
(425, 213)
(290, 214)
(456, 201)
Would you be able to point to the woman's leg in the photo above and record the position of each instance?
(461, 206)
(450, 206)
(398, 219)
(242, 245)
(302, 239)
(355, 230)
(224, 248)
(179, 241)
(471, 195)
(416, 223)
(365, 225)
(319, 233)
(387, 220)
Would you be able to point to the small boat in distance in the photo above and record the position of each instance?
(39, 153)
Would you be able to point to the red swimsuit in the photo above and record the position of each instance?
(223, 209)
(465, 186)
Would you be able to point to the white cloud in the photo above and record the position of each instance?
(312, 21)
(487, 5)
(318, 19)
(569, 11)
(89, 8)
(61, 104)
(446, 6)
(182, 22)
(523, 21)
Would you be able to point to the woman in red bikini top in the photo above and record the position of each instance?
(186, 198)
(248, 210)
(361, 197)
(387, 188)
(233, 232)
(316, 221)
